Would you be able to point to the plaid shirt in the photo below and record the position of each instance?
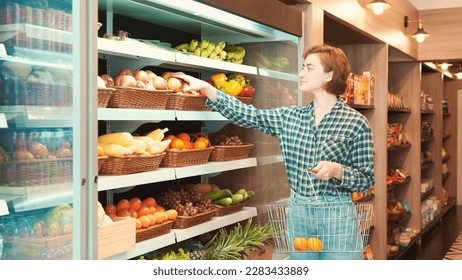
(343, 136)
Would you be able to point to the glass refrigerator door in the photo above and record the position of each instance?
(39, 130)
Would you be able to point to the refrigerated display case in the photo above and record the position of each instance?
(50, 121)
(40, 131)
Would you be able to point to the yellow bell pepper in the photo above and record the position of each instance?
(219, 80)
(233, 87)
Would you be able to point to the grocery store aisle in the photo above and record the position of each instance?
(436, 243)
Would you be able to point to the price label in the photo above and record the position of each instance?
(3, 208)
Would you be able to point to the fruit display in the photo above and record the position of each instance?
(146, 212)
(123, 143)
(218, 51)
(395, 210)
(185, 200)
(397, 175)
(233, 84)
(225, 197)
(184, 141)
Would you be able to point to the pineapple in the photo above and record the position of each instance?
(197, 255)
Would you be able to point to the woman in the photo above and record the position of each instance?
(326, 137)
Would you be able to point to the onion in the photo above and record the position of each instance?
(151, 74)
(150, 85)
(117, 80)
(174, 84)
(127, 81)
(141, 75)
(140, 84)
(108, 80)
(101, 83)
(160, 83)
(166, 75)
(126, 72)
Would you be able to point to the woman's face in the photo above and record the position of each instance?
(312, 76)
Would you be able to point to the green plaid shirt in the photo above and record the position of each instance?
(343, 136)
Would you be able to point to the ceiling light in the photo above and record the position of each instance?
(420, 34)
(378, 6)
(444, 66)
(459, 74)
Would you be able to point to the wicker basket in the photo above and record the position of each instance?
(39, 172)
(130, 164)
(154, 231)
(52, 248)
(101, 160)
(187, 103)
(246, 100)
(189, 221)
(127, 97)
(226, 210)
(186, 157)
(104, 94)
(225, 153)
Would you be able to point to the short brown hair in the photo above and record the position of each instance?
(332, 59)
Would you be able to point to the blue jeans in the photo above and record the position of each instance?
(332, 219)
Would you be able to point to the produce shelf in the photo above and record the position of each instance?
(277, 75)
(215, 223)
(214, 167)
(7, 31)
(198, 116)
(396, 185)
(446, 158)
(270, 159)
(116, 114)
(446, 137)
(178, 235)
(106, 182)
(424, 195)
(393, 111)
(38, 116)
(361, 107)
(403, 251)
(21, 203)
(187, 59)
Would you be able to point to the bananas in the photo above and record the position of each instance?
(217, 51)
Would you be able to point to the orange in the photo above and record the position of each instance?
(123, 213)
(133, 213)
(314, 244)
(152, 209)
(300, 244)
(139, 224)
(171, 137)
(200, 145)
(188, 145)
(151, 217)
(159, 216)
(171, 214)
(144, 210)
(203, 139)
(110, 209)
(145, 221)
(135, 203)
(149, 201)
(177, 143)
(159, 208)
(123, 204)
(184, 136)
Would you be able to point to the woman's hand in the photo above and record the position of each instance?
(327, 169)
(197, 84)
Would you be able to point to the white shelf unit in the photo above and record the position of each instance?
(178, 235)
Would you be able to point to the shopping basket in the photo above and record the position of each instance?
(324, 227)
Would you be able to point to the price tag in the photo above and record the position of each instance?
(3, 208)
(3, 123)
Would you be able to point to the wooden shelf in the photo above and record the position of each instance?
(427, 139)
(427, 112)
(397, 111)
(400, 147)
(427, 165)
(431, 225)
(446, 137)
(404, 250)
(424, 195)
(367, 198)
(446, 176)
(446, 114)
(397, 185)
(449, 207)
(395, 223)
(445, 158)
(361, 107)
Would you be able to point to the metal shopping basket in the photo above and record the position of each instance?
(321, 226)
(340, 227)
